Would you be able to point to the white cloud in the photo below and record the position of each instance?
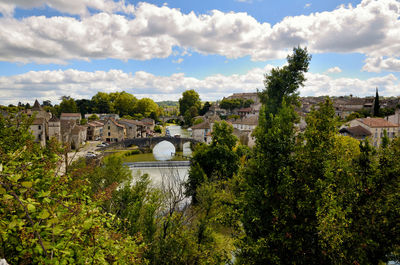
(307, 5)
(335, 69)
(378, 64)
(78, 7)
(79, 84)
(371, 28)
(178, 61)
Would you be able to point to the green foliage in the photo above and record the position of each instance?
(124, 103)
(315, 197)
(102, 103)
(205, 108)
(190, 114)
(198, 121)
(49, 218)
(93, 117)
(84, 106)
(84, 121)
(218, 161)
(146, 107)
(377, 106)
(190, 98)
(231, 104)
(68, 105)
(157, 129)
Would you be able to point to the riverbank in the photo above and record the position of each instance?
(128, 157)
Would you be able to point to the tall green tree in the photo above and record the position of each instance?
(377, 106)
(146, 106)
(267, 199)
(68, 105)
(189, 101)
(218, 161)
(124, 103)
(102, 103)
(84, 106)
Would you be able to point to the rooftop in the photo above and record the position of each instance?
(377, 122)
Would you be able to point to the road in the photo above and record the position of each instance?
(90, 146)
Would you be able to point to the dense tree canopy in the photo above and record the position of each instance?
(68, 105)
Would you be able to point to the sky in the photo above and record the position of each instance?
(158, 49)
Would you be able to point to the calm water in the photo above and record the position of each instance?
(164, 151)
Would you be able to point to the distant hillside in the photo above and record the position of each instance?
(168, 103)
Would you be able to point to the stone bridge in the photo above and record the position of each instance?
(167, 118)
(150, 142)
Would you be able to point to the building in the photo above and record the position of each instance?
(54, 126)
(94, 131)
(248, 123)
(358, 132)
(134, 128)
(395, 118)
(253, 96)
(202, 132)
(77, 117)
(113, 131)
(377, 127)
(38, 129)
(78, 136)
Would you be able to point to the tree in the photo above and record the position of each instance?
(47, 217)
(146, 106)
(102, 103)
(124, 103)
(267, 184)
(68, 105)
(190, 98)
(376, 104)
(85, 106)
(218, 161)
(93, 117)
(205, 108)
(314, 197)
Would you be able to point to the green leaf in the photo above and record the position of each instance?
(12, 224)
(31, 207)
(2, 190)
(44, 214)
(26, 184)
(87, 224)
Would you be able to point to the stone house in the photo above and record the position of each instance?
(377, 126)
(149, 123)
(54, 126)
(113, 131)
(38, 129)
(395, 118)
(248, 123)
(78, 136)
(77, 117)
(134, 128)
(94, 130)
(66, 130)
(202, 132)
(357, 132)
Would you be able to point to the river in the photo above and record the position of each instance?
(161, 171)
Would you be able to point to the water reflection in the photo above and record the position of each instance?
(164, 151)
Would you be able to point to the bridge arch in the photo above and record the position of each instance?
(150, 142)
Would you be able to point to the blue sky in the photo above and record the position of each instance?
(159, 49)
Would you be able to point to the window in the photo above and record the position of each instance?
(109, 134)
(109, 127)
(40, 127)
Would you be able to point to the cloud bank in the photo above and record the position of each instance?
(51, 85)
(147, 31)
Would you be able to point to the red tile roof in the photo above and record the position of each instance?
(377, 122)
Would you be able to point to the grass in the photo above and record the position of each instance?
(146, 157)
